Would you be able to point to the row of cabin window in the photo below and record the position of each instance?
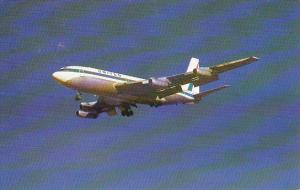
(83, 71)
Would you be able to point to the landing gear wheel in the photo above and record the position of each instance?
(126, 110)
(130, 113)
(127, 113)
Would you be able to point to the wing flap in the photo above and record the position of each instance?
(146, 90)
(139, 88)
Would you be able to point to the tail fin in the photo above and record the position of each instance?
(190, 88)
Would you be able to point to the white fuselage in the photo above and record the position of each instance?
(102, 83)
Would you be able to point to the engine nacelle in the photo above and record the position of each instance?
(159, 82)
(85, 106)
(85, 114)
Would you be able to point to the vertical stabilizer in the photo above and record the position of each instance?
(190, 88)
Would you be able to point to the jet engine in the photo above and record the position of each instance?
(85, 114)
(87, 106)
(159, 82)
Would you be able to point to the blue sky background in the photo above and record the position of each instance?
(245, 137)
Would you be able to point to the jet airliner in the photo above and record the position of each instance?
(118, 92)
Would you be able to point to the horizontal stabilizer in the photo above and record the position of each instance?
(233, 64)
(205, 93)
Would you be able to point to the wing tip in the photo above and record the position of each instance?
(254, 58)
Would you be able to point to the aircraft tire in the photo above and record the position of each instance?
(130, 113)
(127, 113)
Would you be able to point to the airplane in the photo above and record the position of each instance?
(118, 92)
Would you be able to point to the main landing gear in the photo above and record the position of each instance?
(126, 111)
(156, 104)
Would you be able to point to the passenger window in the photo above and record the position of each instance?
(80, 71)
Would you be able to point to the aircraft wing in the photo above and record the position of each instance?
(210, 74)
(184, 78)
(159, 87)
(147, 90)
(166, 86)
(232, 64)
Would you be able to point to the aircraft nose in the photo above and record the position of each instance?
(59, 77)
(55, 75)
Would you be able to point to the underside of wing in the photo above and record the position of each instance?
(153, 88)
(139, 88)
(233, 64)
(184, 78)
(210, 74)
(149, 90)
(159, 87)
